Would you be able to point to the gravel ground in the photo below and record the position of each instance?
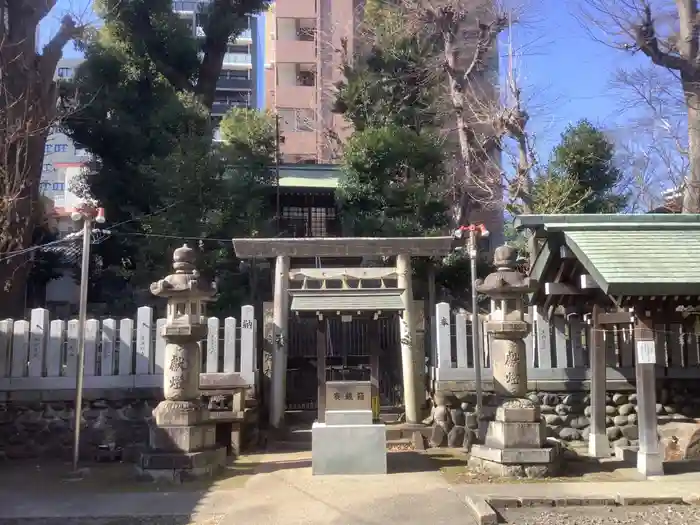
(647, 515)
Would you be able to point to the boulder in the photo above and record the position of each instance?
(620, 399)
(630, 431)
(621, 421)
(626, 409)
(613, 433)
(552, 419)
(455, 438)
(569, 434)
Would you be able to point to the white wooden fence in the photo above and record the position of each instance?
(41, 354)
(558, 350)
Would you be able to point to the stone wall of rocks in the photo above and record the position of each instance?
(34, 426)
(40, 424)
(567, 414)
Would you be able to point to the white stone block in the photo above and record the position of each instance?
(348, 417)
(348, 449)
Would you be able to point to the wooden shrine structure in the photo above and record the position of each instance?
(357, 291)
(612, 270)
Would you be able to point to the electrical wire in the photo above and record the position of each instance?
(16, 253)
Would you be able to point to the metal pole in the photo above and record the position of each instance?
(472, 248)
(84, 276)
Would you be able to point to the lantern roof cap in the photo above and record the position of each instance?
(185, 282)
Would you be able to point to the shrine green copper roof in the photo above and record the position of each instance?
(382, 299)
(644, 255)
(321, 176)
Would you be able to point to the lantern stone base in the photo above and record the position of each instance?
(515, 463)
(176, 467)
(182, 443)
(514, 444)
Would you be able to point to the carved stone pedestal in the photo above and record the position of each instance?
(515, 443)
(182, 443)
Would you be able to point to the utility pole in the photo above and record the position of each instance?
(88, 213)
(473, 233)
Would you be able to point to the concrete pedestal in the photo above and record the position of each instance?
(650, 464)
(348, 417)
(182, 443)
(348, 449)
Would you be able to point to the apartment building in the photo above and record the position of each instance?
(240, 81)
(301, 69)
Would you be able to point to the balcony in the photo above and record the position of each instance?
(221, 108)
(295, 52)
(243, 59)
(296, 97)
(295, 9)
(234, 83)
(245, 36)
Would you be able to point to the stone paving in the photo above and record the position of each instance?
(276, 488)
(279, 488)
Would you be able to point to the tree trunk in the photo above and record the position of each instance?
(20, 212)
(691, 193)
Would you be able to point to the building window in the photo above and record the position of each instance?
(233, 98)
(312, 221)
(306, 75)
(235, 74)
(306, 30)
(241, 49)
(292, 120)
(65, 72)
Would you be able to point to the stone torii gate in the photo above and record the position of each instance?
(283, 249)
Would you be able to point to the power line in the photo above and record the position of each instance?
(180, 237)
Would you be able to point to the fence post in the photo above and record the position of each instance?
(71, 348)
(443, 346)
(54, 350)
(5, 347)
(160, 348)
(230, 345)
(461, 340)
(248, 344)
(144, 327)
(212, 361)
(38, 336)
(92, 329)
(126, 347)
(109, 336)
(20, 348)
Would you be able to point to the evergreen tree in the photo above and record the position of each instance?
(586, 155)
(141, 103)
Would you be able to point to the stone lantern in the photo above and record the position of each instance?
(515, 440)
(182, 439)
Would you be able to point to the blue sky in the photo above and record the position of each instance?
(565, 74)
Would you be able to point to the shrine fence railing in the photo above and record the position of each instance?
(558, 350)
(41, 354)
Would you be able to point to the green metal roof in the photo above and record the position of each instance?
(644, 255)
(642, 262)
(609, 221)
(323, 176)
(329, 300)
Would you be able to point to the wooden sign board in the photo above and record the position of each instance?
(646, 352)
(348, 395)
